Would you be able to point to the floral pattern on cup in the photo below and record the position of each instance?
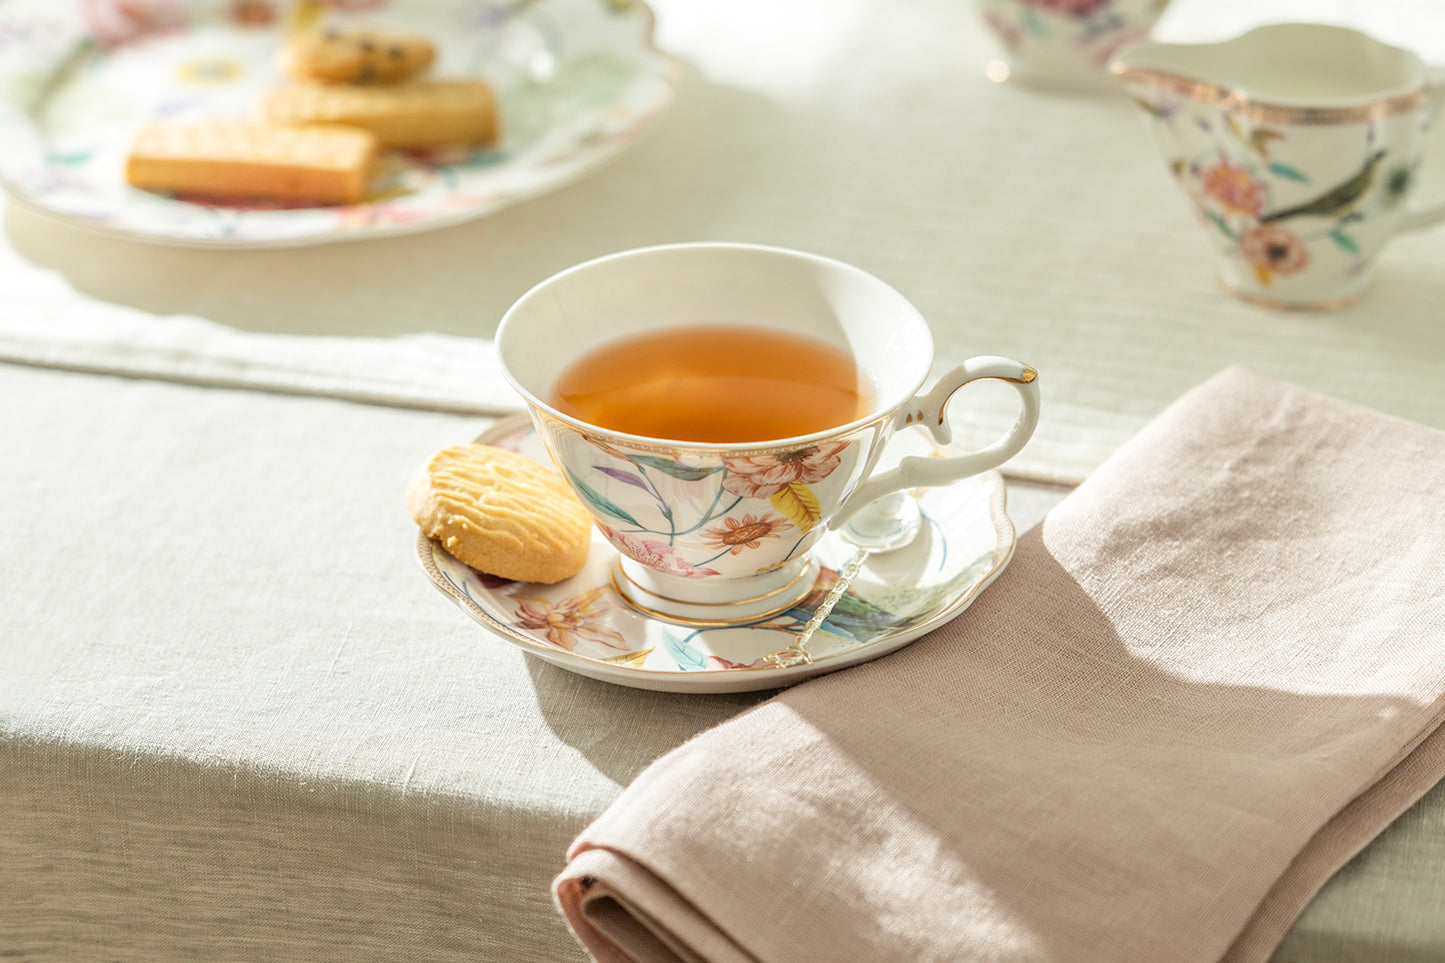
(736, 534)
(710, 514)
(762, 476)
(1238, 179)
(653, 553)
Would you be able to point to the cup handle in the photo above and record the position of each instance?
(1435, 213)
(929, 410)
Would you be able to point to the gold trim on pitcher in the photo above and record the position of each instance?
(1239, 103)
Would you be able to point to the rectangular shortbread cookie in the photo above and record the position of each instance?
(323, 165)
(415, 114)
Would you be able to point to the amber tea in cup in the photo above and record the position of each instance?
(714, 384)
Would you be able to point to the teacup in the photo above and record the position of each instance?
(1298, 145)
(719, 533)
(1064, 44)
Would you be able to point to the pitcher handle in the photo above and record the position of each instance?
(929, 410)
(1435, 213)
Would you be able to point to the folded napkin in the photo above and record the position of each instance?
(1211, 676)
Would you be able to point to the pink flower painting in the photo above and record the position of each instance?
(571, 620)
(761, 476)
(656, 555)
(1271, 248)
(1234, 188)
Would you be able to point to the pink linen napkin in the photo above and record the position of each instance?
(1212, 675)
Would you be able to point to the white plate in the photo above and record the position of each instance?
(584, 626)
(576, 81)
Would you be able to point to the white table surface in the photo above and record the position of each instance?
(233, 713)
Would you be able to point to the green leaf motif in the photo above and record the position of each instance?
(1287, 172)
(684, 656)
(1219, 223)
(598, 502)
(1345, 241)
(676, 469)
(1149, 109)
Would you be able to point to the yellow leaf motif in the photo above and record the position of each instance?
(1259, 139)
(798, 504)
(632, 659)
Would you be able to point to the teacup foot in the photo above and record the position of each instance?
(689, 602)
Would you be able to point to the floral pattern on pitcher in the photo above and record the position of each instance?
(1265, 207)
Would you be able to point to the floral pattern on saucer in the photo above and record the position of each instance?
(583, 625)
(576, 82)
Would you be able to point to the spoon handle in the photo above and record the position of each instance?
(825, 608)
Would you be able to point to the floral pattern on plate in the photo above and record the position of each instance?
(576, 82)
(584, 626)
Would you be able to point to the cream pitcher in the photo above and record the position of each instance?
(1298, 145)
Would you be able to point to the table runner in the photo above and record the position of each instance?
(1215, 672)
(48, 324)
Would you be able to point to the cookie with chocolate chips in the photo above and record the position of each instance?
(355, 56)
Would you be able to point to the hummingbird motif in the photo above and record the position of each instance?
(1338, 202)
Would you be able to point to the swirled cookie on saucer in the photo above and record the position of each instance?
(501, 513)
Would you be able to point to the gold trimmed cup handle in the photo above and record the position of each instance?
(930, 410)
(1428, 216)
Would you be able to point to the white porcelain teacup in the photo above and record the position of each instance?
(720, 533)
(1298, 145)
(1064, 44)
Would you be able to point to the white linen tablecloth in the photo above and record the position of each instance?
(236, 722)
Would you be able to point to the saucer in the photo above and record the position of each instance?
(576, 82)
(581, 624)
